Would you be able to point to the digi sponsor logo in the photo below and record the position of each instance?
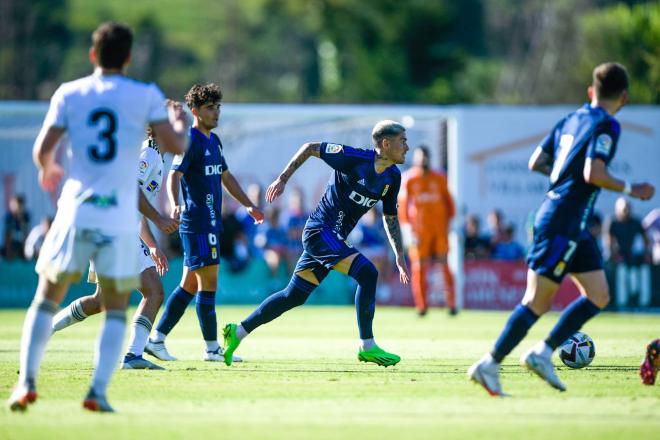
(362, 200)
(213, 170)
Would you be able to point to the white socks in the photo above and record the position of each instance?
(108, 349)
(72, 314)
(240, 332)
(368, 343)
(37, 329)
(140, 329)
(542, 349)
(212, 345)
(158, 337)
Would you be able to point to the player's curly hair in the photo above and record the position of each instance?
(199, 95)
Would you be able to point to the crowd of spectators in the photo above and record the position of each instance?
(630, 245)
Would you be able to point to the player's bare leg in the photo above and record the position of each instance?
(78, 311)
(37, 329)
(109, 345)
(151, 289)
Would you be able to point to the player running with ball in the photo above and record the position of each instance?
(361, 179)
(575, 155)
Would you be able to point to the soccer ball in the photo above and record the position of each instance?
(577, 351)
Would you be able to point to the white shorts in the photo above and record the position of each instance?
(144, 257)
(67, 251)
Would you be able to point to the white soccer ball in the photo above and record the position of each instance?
(577, 351)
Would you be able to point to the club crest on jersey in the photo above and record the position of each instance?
(385, 190)
(143, 166)
(212, 170)
(603, 144)
(362, 200)
(333, 148)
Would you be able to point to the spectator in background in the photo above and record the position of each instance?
(272, 240)
(507, 248)
(17, 225)
(294, 220)
(476, 246)
(233, 246)
(36, 238)
(495, 221)
(625, 237)
(250, 229)
(628, 246)
(595, 228)
(369, 235)
(651, 225)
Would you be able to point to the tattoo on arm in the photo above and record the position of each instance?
(394, 233)
(305, 152)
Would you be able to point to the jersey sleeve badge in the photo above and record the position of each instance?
(142, 167)
(333, 148)
(604, 144)
(387, 187)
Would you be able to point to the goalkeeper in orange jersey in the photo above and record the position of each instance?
(425, 210)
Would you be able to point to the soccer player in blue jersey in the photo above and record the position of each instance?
(361, 179)
(200, 174)
(575, 155)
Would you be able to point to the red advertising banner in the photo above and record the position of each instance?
(488, 285)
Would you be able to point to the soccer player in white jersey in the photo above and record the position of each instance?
(104, 116)
(152, 264)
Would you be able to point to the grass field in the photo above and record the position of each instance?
(301, 380)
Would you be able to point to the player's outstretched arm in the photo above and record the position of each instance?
(163, 223)
(596, 173)
(158, 256)
(43, 153)
(394, 235)
(234, 189)
(540, 161)
(305, 152)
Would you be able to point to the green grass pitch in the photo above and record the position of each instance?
(301, 380)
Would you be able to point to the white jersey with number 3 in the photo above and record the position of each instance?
(105, 117)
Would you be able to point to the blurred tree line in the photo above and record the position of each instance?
(416, 51)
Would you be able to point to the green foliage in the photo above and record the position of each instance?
(630, 36)
(441, 51)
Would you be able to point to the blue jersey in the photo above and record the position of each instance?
(568, 204)
(353, 189)
(202, 166)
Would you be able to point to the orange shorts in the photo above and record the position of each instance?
(429, 246)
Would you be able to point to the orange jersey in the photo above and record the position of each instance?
(425, 202)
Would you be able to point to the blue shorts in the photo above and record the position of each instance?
(553, 256)
(200, 250)
(323, 249)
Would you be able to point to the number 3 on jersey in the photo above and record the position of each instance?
(108, 148)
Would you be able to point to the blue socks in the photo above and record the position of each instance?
(576, 314)
(206, 315)
(366, 275)
(295, 294)
(174, 308)
(519, 323)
